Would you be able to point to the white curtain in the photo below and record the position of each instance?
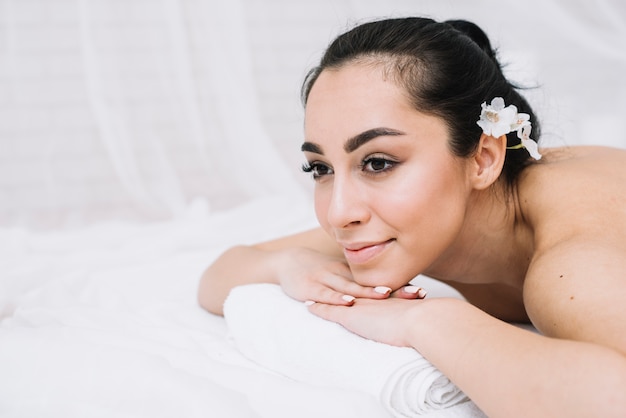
(129, 110)
(599, 26)
(153, 109)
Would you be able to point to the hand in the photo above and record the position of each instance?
(388, 321)
(308, 275)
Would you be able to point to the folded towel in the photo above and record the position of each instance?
(279, 333)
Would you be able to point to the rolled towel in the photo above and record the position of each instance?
(280, 334)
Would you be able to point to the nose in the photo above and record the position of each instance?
(348, 204)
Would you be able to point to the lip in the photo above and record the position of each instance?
(363, 252)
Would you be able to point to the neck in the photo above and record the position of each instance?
(494, 245)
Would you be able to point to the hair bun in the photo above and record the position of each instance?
(475, 33)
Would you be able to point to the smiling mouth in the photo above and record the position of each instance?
(365, 253)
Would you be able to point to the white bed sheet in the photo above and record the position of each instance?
(103, 322)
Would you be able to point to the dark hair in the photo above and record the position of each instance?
(448, 69)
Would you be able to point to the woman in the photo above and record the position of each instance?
(424, 162)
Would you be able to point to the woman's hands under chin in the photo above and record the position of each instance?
(386, 320)
(309, 276)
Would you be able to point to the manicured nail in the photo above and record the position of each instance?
(348, 298)
(415, 290)
(309, 302)
(383, 290)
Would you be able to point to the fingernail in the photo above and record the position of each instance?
(383, 290)
(309, 302)
(412, 289)
(348, 298)
(415, 290)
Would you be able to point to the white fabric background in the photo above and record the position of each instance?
(141, 109)
(115, 114)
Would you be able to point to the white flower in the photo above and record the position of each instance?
(522, 120)
(496, 119)
(527, 142)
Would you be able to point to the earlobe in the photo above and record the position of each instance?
(489, 160)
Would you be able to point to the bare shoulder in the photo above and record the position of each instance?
(576, 290)
(575, 202)
(575, 190)
(581, 166)
(565, 164)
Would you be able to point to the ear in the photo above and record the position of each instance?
(488, 161)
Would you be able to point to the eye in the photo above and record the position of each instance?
(377, 164)
(318, 169)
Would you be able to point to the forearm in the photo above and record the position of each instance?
(511, 372)
(237, 266)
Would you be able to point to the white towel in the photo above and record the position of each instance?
(279, 333)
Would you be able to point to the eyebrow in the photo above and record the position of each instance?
(356, 141)
(311, 147)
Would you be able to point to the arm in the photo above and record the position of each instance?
(578, 368)
(253, 264)
(512, 372)
(507, 371)
(308, 265)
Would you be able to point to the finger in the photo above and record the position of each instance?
(366, 292)
(350, 287)
(328, 312)
(410, 292)
(331, 296)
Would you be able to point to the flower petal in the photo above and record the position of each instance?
(499, 129)
(531, 147)
(508, 115)
(485, 125)
(497, 103)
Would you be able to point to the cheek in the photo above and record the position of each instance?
(424, 204)
(427, 215)
(405, 198)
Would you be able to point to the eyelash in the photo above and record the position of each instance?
(314, 167)
(387, 164)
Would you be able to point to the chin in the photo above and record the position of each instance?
(378, 277)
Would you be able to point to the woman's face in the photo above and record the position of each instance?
(388, 188)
